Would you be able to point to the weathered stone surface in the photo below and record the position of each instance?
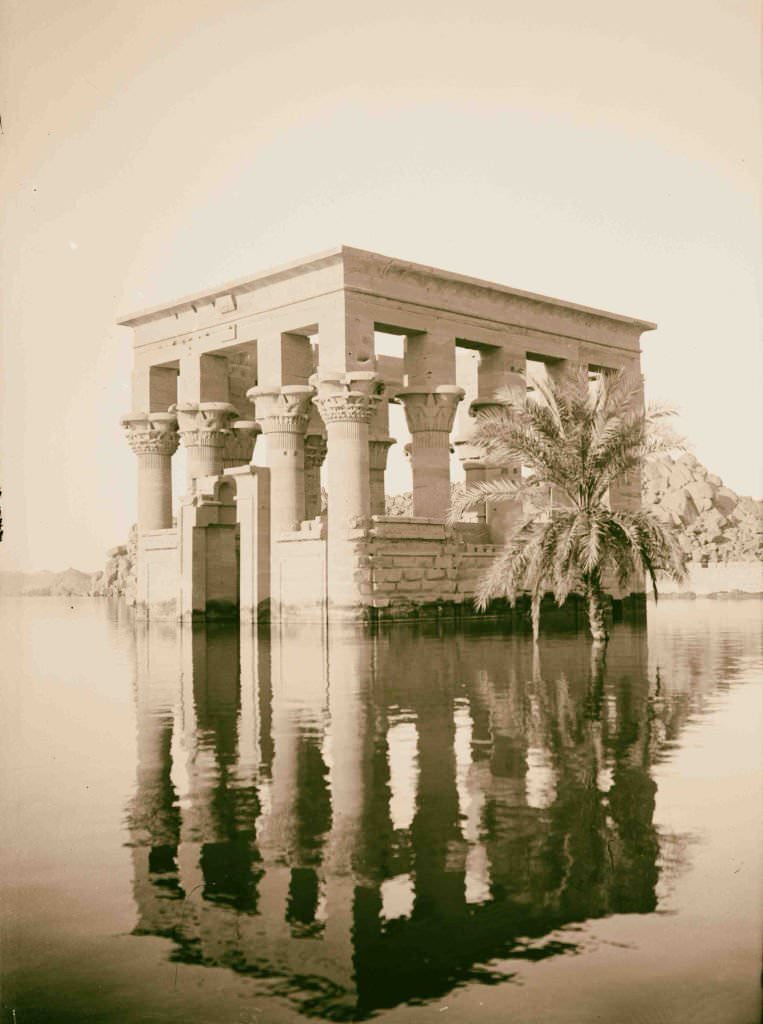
(680, 475)
(118, 578)
(701, 494)
(724, 499)
(679, 501)
(713, 523)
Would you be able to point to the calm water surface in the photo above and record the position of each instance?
(201, 826)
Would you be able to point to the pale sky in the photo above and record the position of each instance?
(602, 152)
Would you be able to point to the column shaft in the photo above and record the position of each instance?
(154, 491)
(348, 472)
(430, 464)
(283, 416)
(346, 402)
(378, 449)
(154, 439)
(315, 454)
(286, 458)
(430, 416)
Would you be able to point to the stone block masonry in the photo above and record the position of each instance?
(438, 567)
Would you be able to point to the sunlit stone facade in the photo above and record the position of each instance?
(290, 355)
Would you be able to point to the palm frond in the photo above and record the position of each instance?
(500, 489)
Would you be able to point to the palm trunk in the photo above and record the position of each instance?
(535, 616)
(596, 615)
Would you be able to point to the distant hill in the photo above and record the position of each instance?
(69, 583)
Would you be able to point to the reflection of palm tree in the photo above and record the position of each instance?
(596, 686)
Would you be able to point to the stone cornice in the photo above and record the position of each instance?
(384, 277)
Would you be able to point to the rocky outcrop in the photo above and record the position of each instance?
(713, 524)
(118, 577)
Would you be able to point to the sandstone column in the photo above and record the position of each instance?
(283, 414)
(154, 439)
(238, 449)
(430, 415)
(501, 370)
(473, 457)
(379, 444)
(378, 450)
(556, 372)
(204, 429)
(625, 491)
(315, 454)
(346, 401)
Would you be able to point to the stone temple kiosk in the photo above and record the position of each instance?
(267, 380)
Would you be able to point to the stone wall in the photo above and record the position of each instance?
(157, 578)
(298, 573)
(414, 562)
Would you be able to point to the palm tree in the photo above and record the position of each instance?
(576, 438)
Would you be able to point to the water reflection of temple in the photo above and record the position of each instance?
(368, 820)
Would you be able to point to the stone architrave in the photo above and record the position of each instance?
(378, 450)
(315, 455)
(430, 415)
(238, 449)
(204, 429)
(283, 414)
(154, 439)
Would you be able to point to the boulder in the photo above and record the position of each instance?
(725, 500)
(680, 503)
(701, 494)
(680, 476)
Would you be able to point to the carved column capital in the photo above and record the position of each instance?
(282, 410)
(151, 433)
(239, 445)
(378, 449)
(204, 424)
(430, 411)
(350, 397)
